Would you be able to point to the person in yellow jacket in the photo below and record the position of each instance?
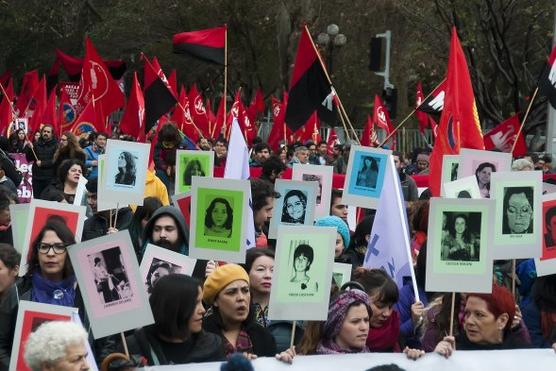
(154, 188)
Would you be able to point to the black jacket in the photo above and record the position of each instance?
(202, 347)
(513, 339)
(8, 316)
(44, 152)
(7, 164)
(263, 342)
(97, 225)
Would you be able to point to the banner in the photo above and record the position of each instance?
(25, 188)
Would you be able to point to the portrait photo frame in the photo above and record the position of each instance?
(219, 219)
(190, 163)
(517, 235)
(472, 161)
(18, 216)
(459, 246)
(323, 175)
(365, 176)
(302, 273)
(462, 188)
(546, 263)
(30, 316)
(341, 273)
(450, 165)
(304, 193)
(102, 204)
(125, 172)
(39, 212)
(165, 261)
(108, 275)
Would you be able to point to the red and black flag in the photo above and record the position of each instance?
(435, 101)
(310, 89)
(208, 44)
(547, 82)
(159, 99)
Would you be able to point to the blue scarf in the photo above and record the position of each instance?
(50, 292)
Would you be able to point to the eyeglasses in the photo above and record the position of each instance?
(59, 248)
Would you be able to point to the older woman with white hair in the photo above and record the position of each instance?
(57, 346)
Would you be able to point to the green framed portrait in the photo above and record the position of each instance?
(190, 164)
(219, 210)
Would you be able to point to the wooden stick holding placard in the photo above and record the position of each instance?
(124, 342)
(294, 325)
(452, 309)
(116, 216)
(513, 279)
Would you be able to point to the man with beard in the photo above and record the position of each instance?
(100, 223)
(167, 229)
(42, 155)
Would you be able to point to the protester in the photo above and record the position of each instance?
(342, 235)
(68, 175)
(337, 208)
(17, 141)
(169, 141)
(259, 265)
(104, 222)
(522, 164)
(93, 151)
(177, 336)
(139, 222)
(355, 253)
(7, 198)
(68, 149)
(341, 163)
(204, 144)
(409, 187)
(486, 324)
(385, 322)
(300, 156)
(539, 314)
(6, 182)
(262, 196)
(166, 228)
(320, 157)
(226, 291)
(220, 152)
(261, 153)
(42, 155)
(154, 187)
(8, 167)
(9, 269)
(57, 345)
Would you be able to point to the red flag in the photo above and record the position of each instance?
(173, 82)
(503, 136)
(422, 117)
(210, 113)
(66, 112)
(28, 86)
(381, 118)
(182, 117)
(309, 131)
(208, 44)
(459, 124)
(5, 78)
(219, 124)
(257, 105)
(73, 66)
(198, 111)
(159, 99)
(37, 106)
(279, 131)
(6, 107)
(331, 141)
(96, 81)
(133, 119)
(49, 115)
(368, 136)
(91, 119)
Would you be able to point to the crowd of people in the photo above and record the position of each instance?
(222, 309)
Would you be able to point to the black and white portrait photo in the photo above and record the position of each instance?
(550, 223)
(517, 210)
(367, 174)
(160, 268)
(482, 173)
(219, 218)
(301, 281)
(461, 236)
(110, 275)
(294, 207)
(454, 171)
(314, 177)
(127, 169)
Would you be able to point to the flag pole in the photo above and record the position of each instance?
(225, 74)
(409, 115)
(525, 118)
(342, 110)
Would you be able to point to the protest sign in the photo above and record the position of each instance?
(18, 216)
(25, 188)
(219, 210)
(183, 202)
(461, 188)
(158, 262)
(341, 273)
(518, 214)
(102, 204)
(295, 206)
(323, 175)
(108, 275)
(459, 247)
(546, 264)
(302, 273)
(365, 176)
(40, 212)
(450, 164)
(482, 164)
(192, 163)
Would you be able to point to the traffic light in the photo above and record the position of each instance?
(390, 98)
(375, 54)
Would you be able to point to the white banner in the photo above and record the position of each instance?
(507, 360)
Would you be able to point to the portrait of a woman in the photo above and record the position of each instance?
(518, 210)
(193, 168)
(294, 208)
(459, 243)
(368, 174)
(219, 218)
(483, 178)
(303, 257)
(126, 169)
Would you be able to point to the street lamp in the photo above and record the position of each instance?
(330, 39)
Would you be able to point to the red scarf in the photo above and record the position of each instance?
(385, 338)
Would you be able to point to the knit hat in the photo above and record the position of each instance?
(334, 221)
(338, 309)
(220, 278)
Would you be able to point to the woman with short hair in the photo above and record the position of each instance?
(69, 173)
